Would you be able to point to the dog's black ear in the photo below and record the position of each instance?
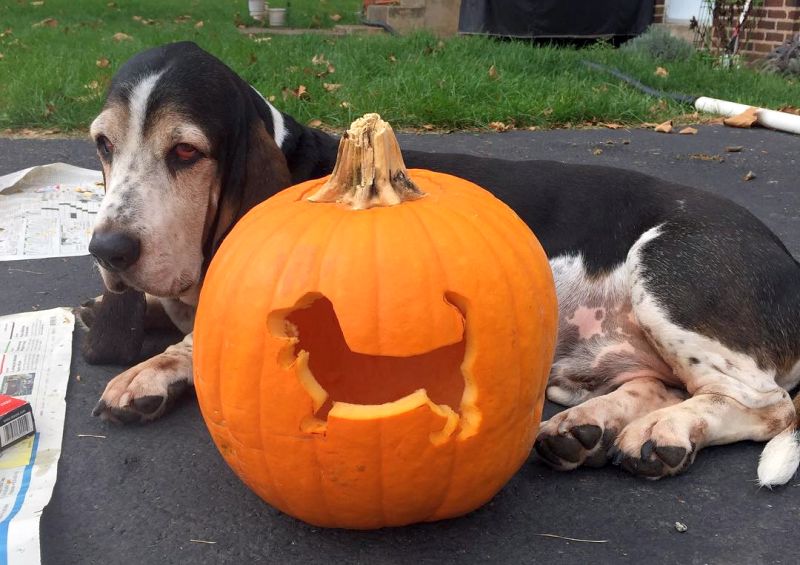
(116, 328)
(253, 168)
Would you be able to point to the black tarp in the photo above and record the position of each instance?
(556, 18)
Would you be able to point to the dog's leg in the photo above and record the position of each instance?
(147, 391)
(734, 394)
(582, 435)
(116, 324)
(666, 441)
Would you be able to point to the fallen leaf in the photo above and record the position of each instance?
(392, 59)
(345, 104)
(103, 63)
(94, 85)
(47, 22)
(493, 73)
(659, 106)
(611, 125)
(119, 36)
(199, 24)
(499, 126)
(6, 32)
(331, 87)
(688, 131)
(666, 127)
(706, 157)
(749, 176)
(734, 149)
(112, 4)
(2, 56)
(315, 123)
(137, 18)
(271, 98)
(681, 527)
(597, 151)
(790, 110)
(661, 72)
(39, 3)
(335, 17)
(744, 120)
(49, 109)
(319, 60)
(183, 19)
(428, 127)
(300, 92)
(547, 111)
(532, 128)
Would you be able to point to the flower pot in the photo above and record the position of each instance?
(277, 17)
(258, 9)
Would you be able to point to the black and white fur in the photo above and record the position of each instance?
(679, 310)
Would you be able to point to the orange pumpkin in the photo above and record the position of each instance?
(371, 349)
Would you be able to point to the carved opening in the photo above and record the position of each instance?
(332, 372)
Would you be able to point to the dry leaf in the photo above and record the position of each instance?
(428, 127)
(182, 19)
(271, 98)
(112, 4)
(331, 87)
(2, 56)
(597, 151)
(493, 72)
(790, 110)
(94, 85)
(547, 111)
(315, 123)
(661, 72)
(345, 104)
(319, 60)
(39, 3)
(49, 109)
(499, 126)
(103, 63)
(300, 92)
(392, 59)
(119, 36)
(532, 128)
(734, 149)
(744, 120)
(137, 18)
(666, 127)
(688, 131)
(611, 125)
(706, 157)
(335, 17)
(749, 176)
(199, 24)
(47, 22)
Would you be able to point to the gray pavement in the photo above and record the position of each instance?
(140, 494)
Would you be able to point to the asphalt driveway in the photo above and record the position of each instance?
(142, 493)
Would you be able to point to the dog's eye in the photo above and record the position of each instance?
(186, 153)
(104, 146)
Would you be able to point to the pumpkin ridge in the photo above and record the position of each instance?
(503, 230)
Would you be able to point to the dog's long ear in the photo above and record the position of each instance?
(253, 168)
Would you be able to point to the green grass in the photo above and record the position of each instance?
(49, 77)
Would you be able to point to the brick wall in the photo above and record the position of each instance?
(658, 12)
(773, 23)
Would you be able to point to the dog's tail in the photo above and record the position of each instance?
(781, 456)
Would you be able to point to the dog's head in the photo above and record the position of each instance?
(186, 148)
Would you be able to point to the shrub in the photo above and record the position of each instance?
(658, 43)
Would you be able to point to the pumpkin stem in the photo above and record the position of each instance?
(369, 168)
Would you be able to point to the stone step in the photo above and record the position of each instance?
(338, 30)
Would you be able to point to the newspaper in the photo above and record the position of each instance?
(35, 353)
(48, 211)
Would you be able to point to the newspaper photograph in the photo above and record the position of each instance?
(48, 211)
(35, 354)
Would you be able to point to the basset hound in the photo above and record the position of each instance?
(679, 310)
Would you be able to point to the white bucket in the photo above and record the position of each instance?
(258, 9)
(277, 17)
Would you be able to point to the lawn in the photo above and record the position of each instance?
(58, 56)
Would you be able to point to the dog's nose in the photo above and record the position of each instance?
(114, 250)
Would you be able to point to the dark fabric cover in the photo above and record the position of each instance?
(556, 18)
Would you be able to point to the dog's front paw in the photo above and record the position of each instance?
(146, 391)
(655, 446)
(573, 438)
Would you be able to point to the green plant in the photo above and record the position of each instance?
(658, 43)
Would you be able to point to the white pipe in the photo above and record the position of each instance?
(782, 121)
